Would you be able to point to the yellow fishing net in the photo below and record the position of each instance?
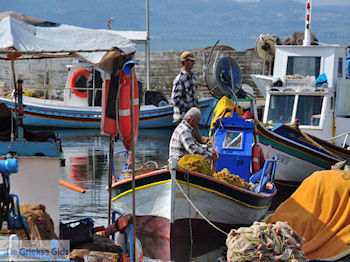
(224, 175)
(31, 93)
(199, 164)
(196, 163)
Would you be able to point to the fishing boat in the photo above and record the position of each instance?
(309, 85)
(49, 113)
(76, 110)
(306, 117)
(175, 203)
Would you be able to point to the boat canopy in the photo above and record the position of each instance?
(24, 37)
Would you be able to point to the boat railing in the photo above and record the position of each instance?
(345, 135)
(265, 175)
(299, 81)
(51, 92)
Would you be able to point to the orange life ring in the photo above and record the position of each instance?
(73, 82)
(124, 109)
(258, 159)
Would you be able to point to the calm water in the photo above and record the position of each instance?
(86, 155)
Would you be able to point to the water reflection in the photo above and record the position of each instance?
(86, 155)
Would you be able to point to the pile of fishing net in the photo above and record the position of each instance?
(30, 93)
(199, 164)
(196, 163)
(39, 223)
(225, 176)
(265, 242)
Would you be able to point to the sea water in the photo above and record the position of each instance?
(86, 165)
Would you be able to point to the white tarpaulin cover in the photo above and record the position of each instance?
(24, 33)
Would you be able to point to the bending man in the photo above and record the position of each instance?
(182, 141)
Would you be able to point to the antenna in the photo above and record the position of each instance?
(109, 25)
(307, 32)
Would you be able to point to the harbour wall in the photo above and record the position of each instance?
(164, 66)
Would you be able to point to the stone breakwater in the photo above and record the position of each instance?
(164, 66)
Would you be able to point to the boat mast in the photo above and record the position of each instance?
(307, 33)
(147, 47)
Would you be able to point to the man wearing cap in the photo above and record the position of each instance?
(184, 88)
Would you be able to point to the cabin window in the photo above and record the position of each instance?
(280, 109)
(303, 65)
(233, 139)
(342, 107)
(309, 110)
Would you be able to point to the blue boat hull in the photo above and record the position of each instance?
(60, 116)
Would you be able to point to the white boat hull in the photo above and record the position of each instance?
(164, 212)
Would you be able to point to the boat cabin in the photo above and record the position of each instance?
(309, 85)
(233, 142)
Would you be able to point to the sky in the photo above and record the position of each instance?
(327, 2)
(314, 2)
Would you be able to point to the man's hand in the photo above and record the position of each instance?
(215, 155)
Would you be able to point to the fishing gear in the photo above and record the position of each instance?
(8, 210)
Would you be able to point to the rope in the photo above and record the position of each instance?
(338, 136)
(191, 203)
(189, 213)
(319, 146)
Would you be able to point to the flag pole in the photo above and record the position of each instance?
(133, 164)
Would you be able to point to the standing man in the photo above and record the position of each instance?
(184, 93)
(182, 141)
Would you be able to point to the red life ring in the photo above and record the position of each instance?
(73, 82)
(124, 109)
(258, 158)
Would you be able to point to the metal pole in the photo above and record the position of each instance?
(93, 86)
(147, 48)
(110, 174)
(234, 97)
(20, 108)
(15, 88)
(133, 163)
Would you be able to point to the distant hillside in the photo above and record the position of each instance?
(190, 24)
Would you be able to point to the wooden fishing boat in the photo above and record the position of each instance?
(40, 113)
(173, 203)
(298, 156)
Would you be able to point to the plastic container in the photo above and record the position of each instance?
(4, 228)
(77, 231)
